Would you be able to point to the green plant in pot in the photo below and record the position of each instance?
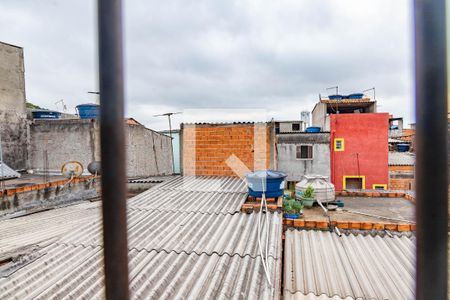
(292, 209)
(308, 197)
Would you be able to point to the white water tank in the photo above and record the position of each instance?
(323, 189)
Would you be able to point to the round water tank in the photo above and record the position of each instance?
(88, 111)
(323, 190)
(272, 182)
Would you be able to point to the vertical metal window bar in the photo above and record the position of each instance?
(431, 147)
(112, 137)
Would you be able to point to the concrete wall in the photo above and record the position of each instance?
(206, 148)
(297, 168)
(64, 140)
(12, 79)
(320, 117)
(14, 131)
(148, 152)
(14, 127)
(365, 152)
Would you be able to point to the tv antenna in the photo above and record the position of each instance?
(371, 89)
(64, 107)
(334, 87)
(169, 114)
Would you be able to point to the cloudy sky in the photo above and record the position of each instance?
(274, 56)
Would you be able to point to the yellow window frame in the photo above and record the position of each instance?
(378, 185)
(342, 143)
(344, 178)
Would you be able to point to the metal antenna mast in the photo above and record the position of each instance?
(372, 89)
(334, 87)
(169, 114)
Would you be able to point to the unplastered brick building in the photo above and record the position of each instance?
(227, 149)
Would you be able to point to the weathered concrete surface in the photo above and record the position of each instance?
(13, 123)
(295, 168)
(12, 79)
(396, 208)
(64, 140)
(49, 197)
(148, 152)
(14, 131)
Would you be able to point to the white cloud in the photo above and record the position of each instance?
(276, 55)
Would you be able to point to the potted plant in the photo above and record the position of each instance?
(308, 197)
(292, 209)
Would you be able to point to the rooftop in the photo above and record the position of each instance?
(350, 266)
(401, 158)
(186, 240)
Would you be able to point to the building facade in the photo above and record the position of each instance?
(359, 155)
(300, 154)
(230, 149)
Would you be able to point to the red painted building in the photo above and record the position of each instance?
(359, 150)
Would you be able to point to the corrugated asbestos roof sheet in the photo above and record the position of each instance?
(319, 263)
(6, 172)
(401, 159)
(205, 184)
(189, 201)
(172, 253)
(65, 271)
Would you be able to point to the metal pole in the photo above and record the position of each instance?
(431, 145)
(112, 137)
(171, 142)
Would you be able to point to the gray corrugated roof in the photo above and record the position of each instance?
(173, 253)
(66, 271)
(187, 232)
(204, 184)
(348, 267)
(6, 172)
(401, 159)
(176, 200)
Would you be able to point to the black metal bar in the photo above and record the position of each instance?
(431, 147)
(112, 136)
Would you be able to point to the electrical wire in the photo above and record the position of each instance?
(264, 257)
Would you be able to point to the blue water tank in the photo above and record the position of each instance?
(88, 111)
(355, 96)
(312, 129)
(46, 114)
(335, 97)
(403, 147)
(273, 183)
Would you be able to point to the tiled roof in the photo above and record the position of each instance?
(175, 251)
(401, 159)
(6, 172)
(321, 264)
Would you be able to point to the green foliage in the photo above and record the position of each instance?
(292, 206)
(309, 192)
(32, 106)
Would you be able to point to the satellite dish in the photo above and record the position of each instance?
(72, 169)
(94, 168)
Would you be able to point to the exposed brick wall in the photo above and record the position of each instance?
(206, 148)
(401, 184)
(401, 168)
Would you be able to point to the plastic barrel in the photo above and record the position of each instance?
(88, 111)
(273, 181)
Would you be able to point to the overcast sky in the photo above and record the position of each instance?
(276, 56)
